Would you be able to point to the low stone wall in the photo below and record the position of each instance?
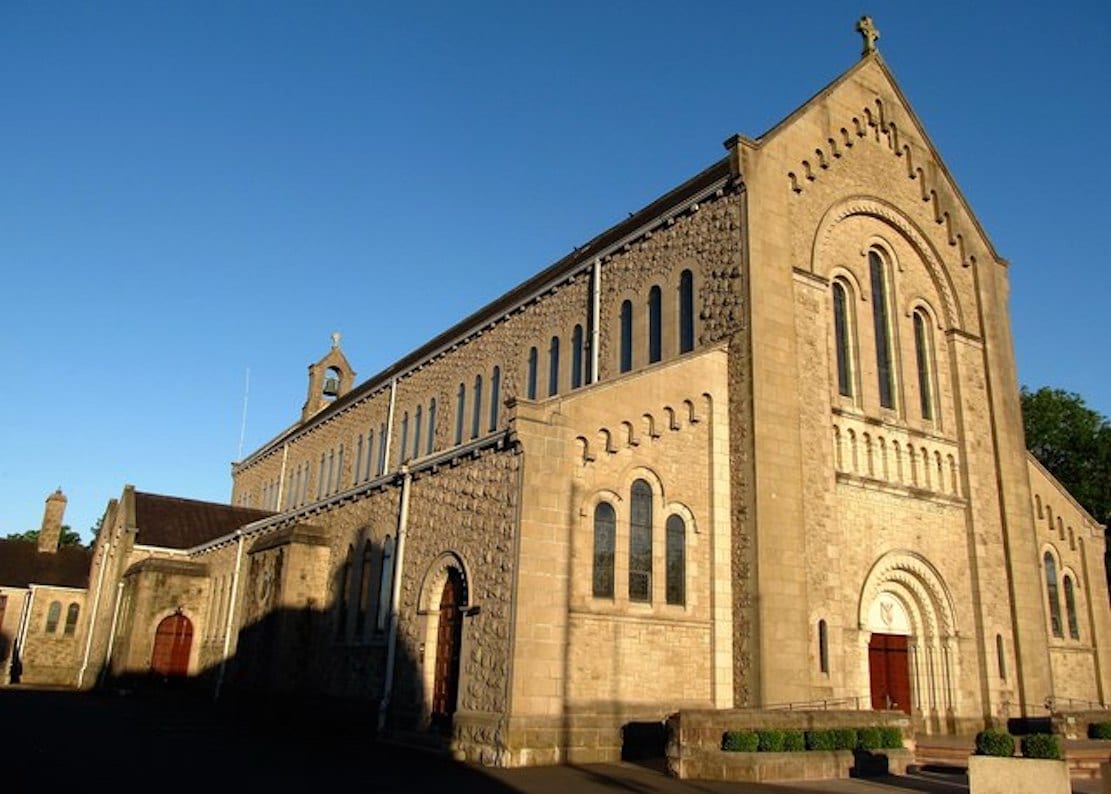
(991, 775)
(694, 745)
(1074, 724)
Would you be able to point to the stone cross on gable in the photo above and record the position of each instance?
(868, 30)
(335, 339)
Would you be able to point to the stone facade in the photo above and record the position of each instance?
(747, 448)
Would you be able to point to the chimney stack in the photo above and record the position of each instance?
(51, 532)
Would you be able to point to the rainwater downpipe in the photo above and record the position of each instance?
(92, 615)
(28, 603)
(231, 613)
(112, 631)
(395, 596)
(389, 424)
(281, 478)
(595, 318)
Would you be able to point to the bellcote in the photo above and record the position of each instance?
(329, 379)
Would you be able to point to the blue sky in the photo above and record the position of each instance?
(192, 190)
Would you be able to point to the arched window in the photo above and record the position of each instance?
(1051, 592)
(640, 542)
(385, 584)
(577, 357)
(431, 425)
(882, 330)
(605, 526)
(655, 321)
(320, 480)
(364, 588)
(460, 408)
(329, 486)
(403, 447)
(342, 595)
(416, 430)
(382, 448)
(369, 453)
(1000, 657)
(923, 356)
(532, 363)
(686, 311)
(553, 367)
(823, 647)
(476, 409)
(676, 545)
(53, 613)
(1070, 609)
(339, 469)
(495, 397)
(842, 332)
(626, 336)
(358, 457)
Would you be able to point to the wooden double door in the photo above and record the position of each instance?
(449, 635)
(172, 642)
(889, 671)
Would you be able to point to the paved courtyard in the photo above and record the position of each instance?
(63, 741)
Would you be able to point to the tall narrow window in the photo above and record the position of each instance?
(605, 524)
(495, 397)
(385, 585)
(53, 614)
(404, 445)
(577, 357)
(553, 367)
(655, 322)
(823, 646)
(369, 453)
(73, 610)
(1051, 593)
(882, 331)
(342, 595)
(382, 449)
(358, 457)
(460, 408)
(339, 469)
(686, 311)
(1070, 609)
(364, 588)
(305, 484)
(476, 409)
(626, 336)
(320, 480)
(924, 360)
(431, 425)
(1000, 657)
(842, 339)
(640, 542)
(416, 431)
(532, 357)
(676, 532)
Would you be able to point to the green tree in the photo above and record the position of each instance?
(68, 536)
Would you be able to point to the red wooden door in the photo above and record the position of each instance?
(172, 642)
(889, 668)
(449, 633)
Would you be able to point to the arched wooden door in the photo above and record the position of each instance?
(889, 671)
(449, 635)
(172, 642)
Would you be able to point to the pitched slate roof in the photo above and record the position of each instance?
(175, 523)
(21, 564)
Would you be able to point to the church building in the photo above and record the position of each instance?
(757, 445)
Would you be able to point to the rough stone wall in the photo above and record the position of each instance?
(53, 657)
(153, 595)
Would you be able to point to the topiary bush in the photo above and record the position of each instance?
(770, 741)
(1041, 745)
(844, 738)
(820, 740)
(870, 738)
(1099, 730)
(891, 738)
(740, 742)
(993, 742)
(793, 742)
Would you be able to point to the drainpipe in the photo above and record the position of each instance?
(92, 615)
(389, 424)
(231, 613)
(395, 595)
(281, 478)
(115, 623)
(595, 319)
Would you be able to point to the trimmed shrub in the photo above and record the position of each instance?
(993, 742)
(891, 738)
(869, 739)
(820, 740)
(740, 741)
(1099, 730)
(770, 741)
(793, 742)
(1041, 745)
(844, 738)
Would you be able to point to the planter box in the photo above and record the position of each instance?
(993, 775)
(803, 765)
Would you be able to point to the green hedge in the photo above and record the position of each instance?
(993, 742)
(774, 740)
(1041, 745)
(1099, 730)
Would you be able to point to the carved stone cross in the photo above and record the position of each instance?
(335, 339)
(868, 30)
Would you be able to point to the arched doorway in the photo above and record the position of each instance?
(449, 633)
(172, 642)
